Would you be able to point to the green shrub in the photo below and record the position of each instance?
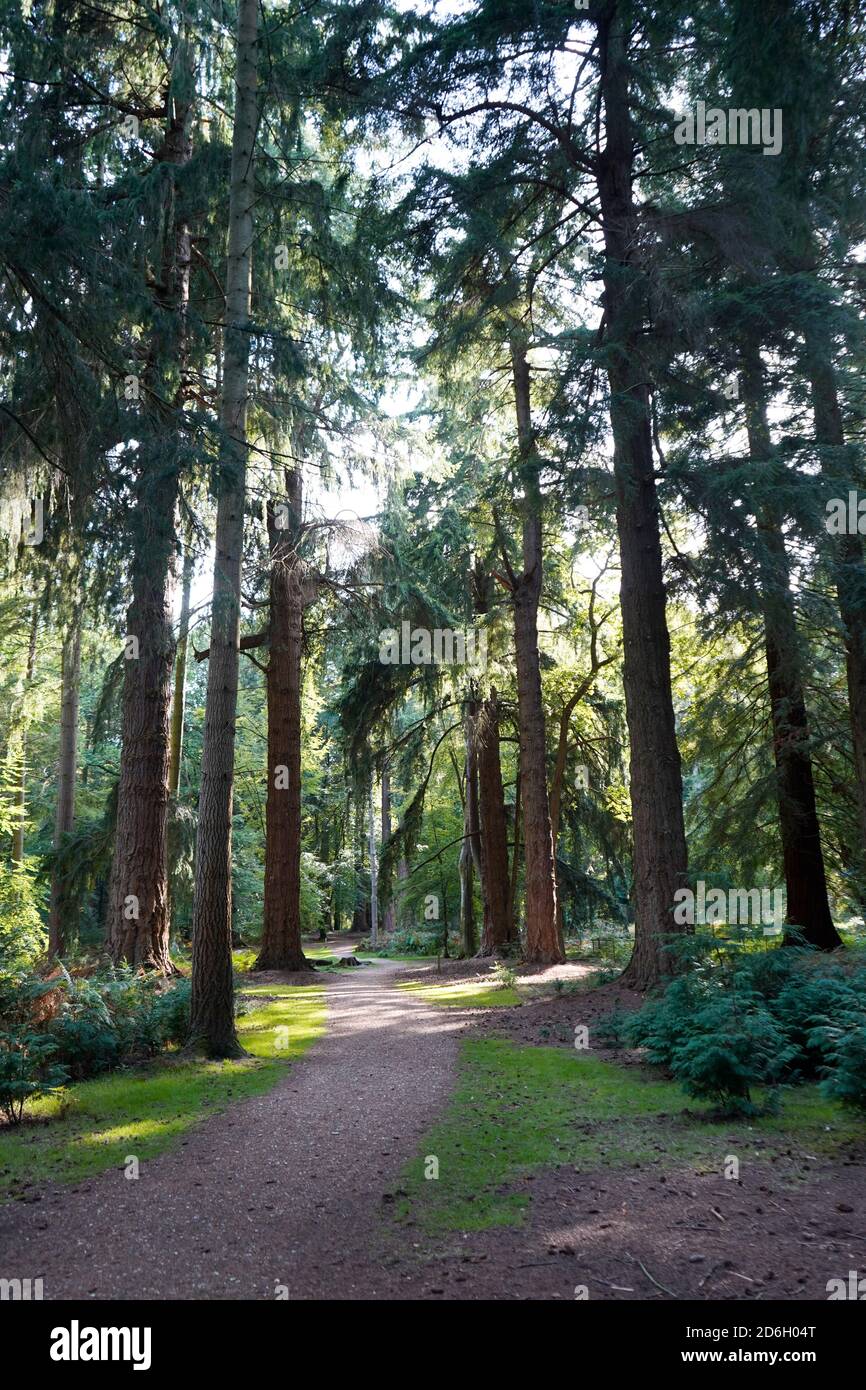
(132, 1001)
(662, 1023)
(173, 1008)
(415, 941)
(84, 1033)
(735, 1019)
(818, 1004)
(22, 936)
(25, 1071)
(846, 1069)
(19, 998)
(121, 1016)
(732, 1046)
(503, 975)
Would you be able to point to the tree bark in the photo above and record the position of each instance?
(374, 878)
(515, 851)
(178, 708)
(543, 937)
(138, 918)
(660, 856)
(805, 878)
(388, 917)
(21, 789)
(138, 902)
(848, 568)
(59, 932)
(402, 880)
(281, 947)
(498, 932)
(212, 1008)
(470, 848)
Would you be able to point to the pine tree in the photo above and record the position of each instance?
(212, 1011)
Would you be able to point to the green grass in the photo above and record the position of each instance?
(518, 1109)
(94, 1125)
(403, 960)
(464, 994)
(245, 958)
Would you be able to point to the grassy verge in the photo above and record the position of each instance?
(402, 960)
(318, 955)
(465, 994)
(94, 1125)
(518, 1109)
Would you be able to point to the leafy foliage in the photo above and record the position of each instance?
(122, 1016)
(22, 935)
(26, 1071)
(742, 1020)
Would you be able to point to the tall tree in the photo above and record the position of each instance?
(543, 931)
(138, 934)
(656, 786)
(212, 1009)
(805, 879)
(67, 777)
(281, 939)
(499, 932)
(178, 704)
(21, 791)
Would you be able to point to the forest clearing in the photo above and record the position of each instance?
(433, 658)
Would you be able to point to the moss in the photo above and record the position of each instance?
(519, 1109)
(94, 1125)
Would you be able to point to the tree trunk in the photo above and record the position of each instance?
(21, 789)
(848, 568)
(498, 927)
(138, 892)
(388, 919)
(402, 880)
(558, 779)
(361, 907)
(543, 937)
(178, 711)
(660, 856)
(374, 878)
(465, 873)
(805, 879)
(515, 852)
(139, 888)
(212, 1010)
(178, 707)
(59, 932)
(281, 947)
(470, 848)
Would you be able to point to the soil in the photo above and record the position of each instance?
(648, 1236)
(291, 1193)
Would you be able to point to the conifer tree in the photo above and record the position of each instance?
(212, 1013)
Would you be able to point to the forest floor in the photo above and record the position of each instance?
(561, 1174)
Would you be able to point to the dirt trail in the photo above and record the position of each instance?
(282, 1189)
(292, 1189)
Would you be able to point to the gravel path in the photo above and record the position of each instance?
(281, 1189)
